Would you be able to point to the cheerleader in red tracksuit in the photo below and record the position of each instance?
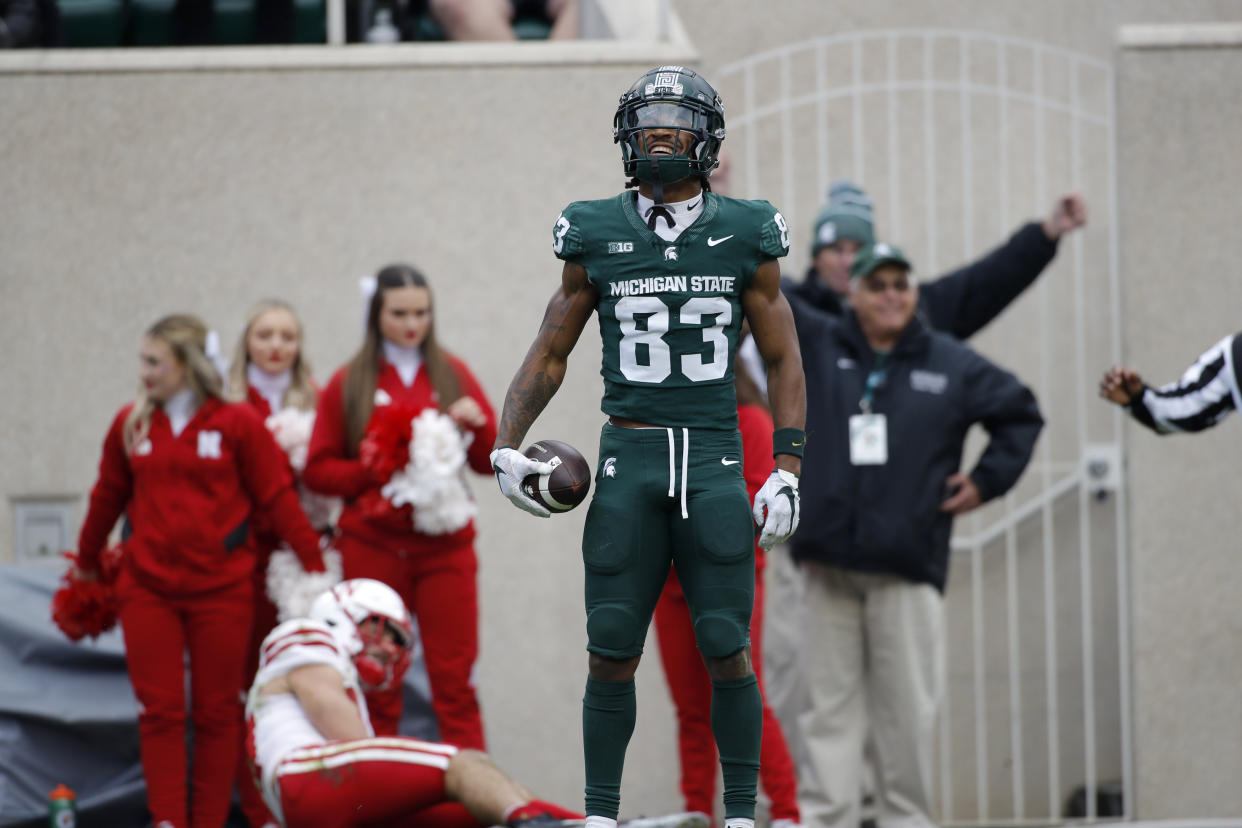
(689, 684)
(401, 369)
(270, 374)
(187, 470)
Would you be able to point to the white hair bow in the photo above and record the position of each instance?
(367, 286)
(211, 349)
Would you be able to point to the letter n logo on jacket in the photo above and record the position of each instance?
(209, 444)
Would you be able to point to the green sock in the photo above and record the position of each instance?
(737, 722)
(608, 713)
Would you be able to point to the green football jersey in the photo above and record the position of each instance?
(670, 312)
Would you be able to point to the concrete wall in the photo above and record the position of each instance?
(1181, 118)
(140, 183)
(130, 193)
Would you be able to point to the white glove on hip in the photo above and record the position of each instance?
(776, 508)
(512, 467)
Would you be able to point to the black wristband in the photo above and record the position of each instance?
(788, 441)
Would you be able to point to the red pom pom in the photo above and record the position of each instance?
(386, 445)
(83, 606)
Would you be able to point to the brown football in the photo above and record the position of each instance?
(566, 485)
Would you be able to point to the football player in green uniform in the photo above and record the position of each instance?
(671, 271)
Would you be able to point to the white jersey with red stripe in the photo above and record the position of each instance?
(277, 725)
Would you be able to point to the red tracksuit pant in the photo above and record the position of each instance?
(265, 620)
(158, 632)
(691, 689)
(440, 589)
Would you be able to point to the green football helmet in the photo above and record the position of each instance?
(669, 98)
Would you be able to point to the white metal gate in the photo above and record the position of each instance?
(960, 136)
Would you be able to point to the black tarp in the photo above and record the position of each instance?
(68, 714)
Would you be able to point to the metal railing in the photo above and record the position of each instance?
(958, 134)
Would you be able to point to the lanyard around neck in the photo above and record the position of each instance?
(874, 380)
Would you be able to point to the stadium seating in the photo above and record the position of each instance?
(101, 23)
(93, 22)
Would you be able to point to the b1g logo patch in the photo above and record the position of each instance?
(209, 445)
(620, 247)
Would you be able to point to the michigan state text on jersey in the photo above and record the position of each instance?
(670, 312)
(672, 271)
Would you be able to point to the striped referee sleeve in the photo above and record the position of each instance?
(1204, 395)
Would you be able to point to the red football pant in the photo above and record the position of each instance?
(691, 689)
(385, 781)
(440, 588)
(265, 613)
(158, 630)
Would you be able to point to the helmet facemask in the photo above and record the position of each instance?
(385, 655)
(364, 614)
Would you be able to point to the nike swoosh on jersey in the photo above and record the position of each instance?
(727, 462)
(713, 242)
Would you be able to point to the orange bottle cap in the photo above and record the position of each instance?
(62, 792)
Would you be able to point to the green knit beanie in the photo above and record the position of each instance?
(847, 215)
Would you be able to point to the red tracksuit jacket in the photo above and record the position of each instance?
(332, 470)
(262, 532)
(188, 498)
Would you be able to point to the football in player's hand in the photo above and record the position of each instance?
(566, 485)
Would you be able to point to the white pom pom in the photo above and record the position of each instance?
(293, 589)
(292, 429)
(432, 480)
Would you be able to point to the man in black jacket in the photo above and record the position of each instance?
(889, 403)
(960, 303)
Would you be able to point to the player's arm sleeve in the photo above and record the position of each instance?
(109, 496)
(567, 238)
(1203, 396)
(1007, 410)
(773, 232)
(965, 300)
(296, 643)
(329, 470)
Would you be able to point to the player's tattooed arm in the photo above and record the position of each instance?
(543, 369)
(772, 325)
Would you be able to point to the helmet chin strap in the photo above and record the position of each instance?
(658, 210)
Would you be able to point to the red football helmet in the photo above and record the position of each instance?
(358, 612)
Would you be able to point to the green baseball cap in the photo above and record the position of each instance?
(873, 256)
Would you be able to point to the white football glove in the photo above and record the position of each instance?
(776, 508)
(512, 467)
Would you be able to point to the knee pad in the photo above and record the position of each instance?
(612, 630)
(718, 635)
